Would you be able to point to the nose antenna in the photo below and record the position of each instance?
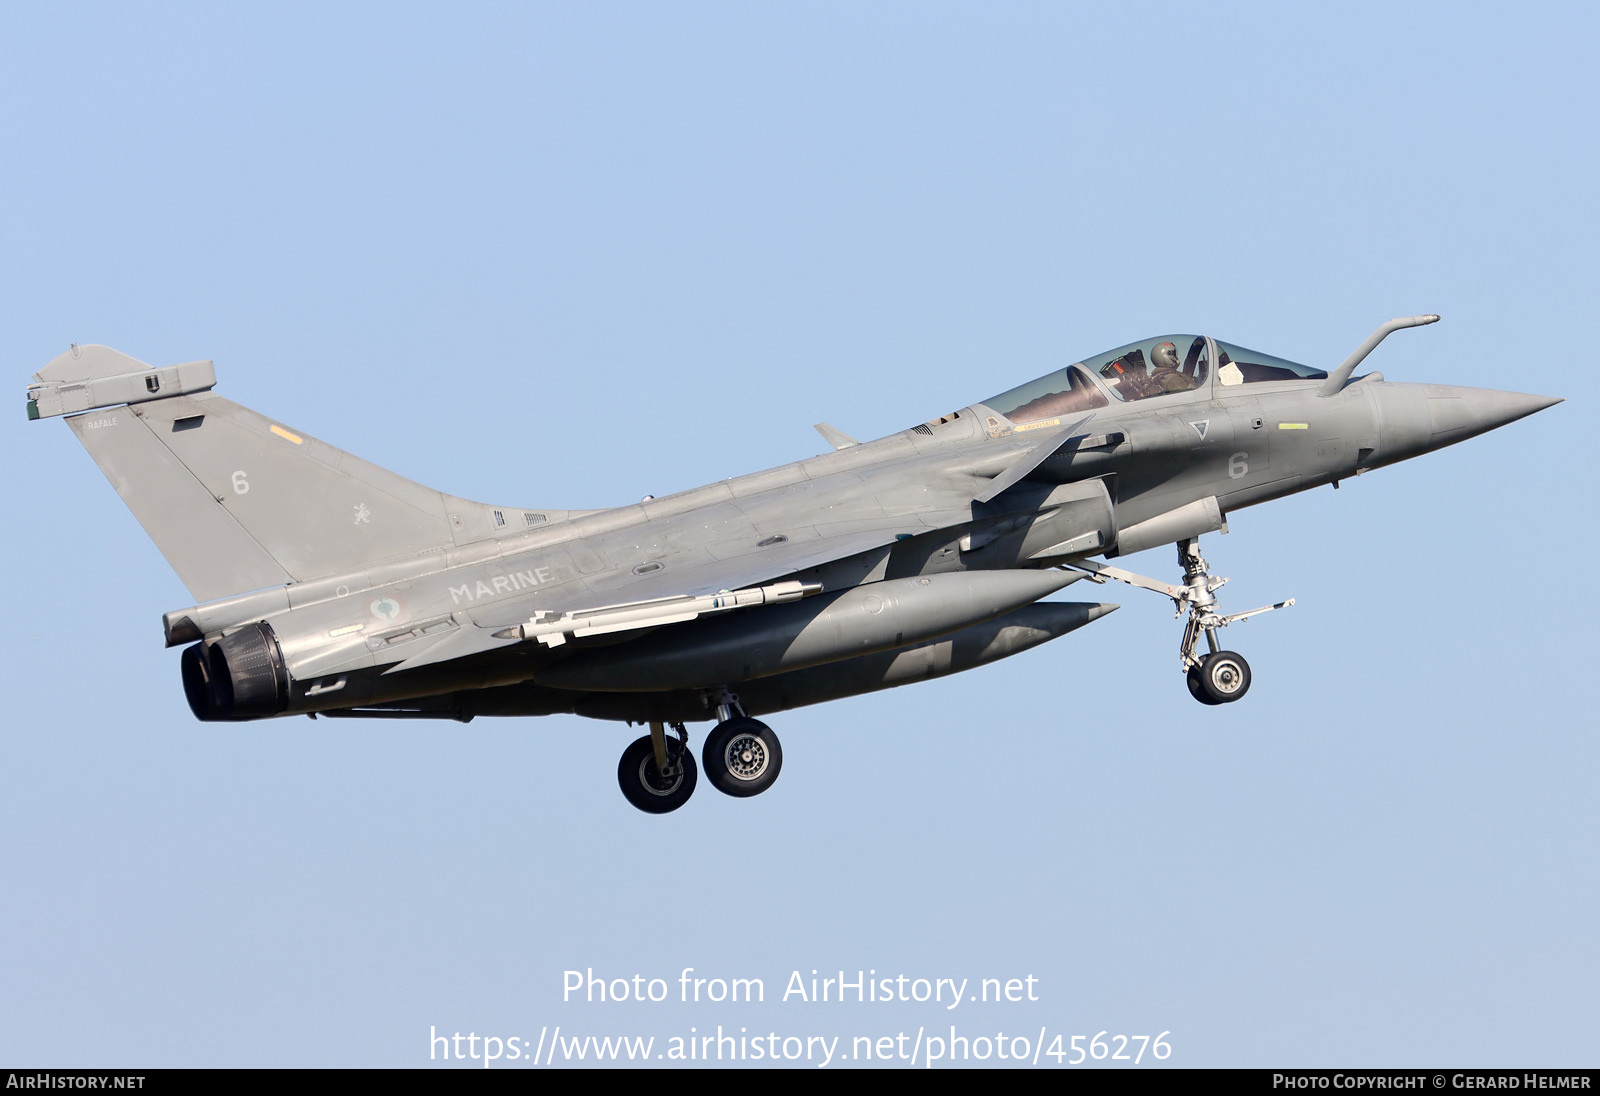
(1336, 380)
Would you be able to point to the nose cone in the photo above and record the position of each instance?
(1457, 413)
(1419, 418)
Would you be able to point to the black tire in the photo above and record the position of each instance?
(1224, 677)
(1197, 690)
(642, 783)
(742, 757)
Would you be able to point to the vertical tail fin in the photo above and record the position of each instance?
(236, 501)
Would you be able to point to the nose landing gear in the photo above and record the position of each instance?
(1217, 677)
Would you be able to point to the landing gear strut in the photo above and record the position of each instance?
(1217, 677)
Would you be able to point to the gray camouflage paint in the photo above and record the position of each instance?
(383, 594)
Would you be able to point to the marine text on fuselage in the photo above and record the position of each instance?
(500, 584)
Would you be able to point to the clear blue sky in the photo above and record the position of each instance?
(566, 256)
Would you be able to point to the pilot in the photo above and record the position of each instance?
(1166, 377)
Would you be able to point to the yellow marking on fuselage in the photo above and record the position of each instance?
(287, 435)
(1294, 426)
(1037, 425)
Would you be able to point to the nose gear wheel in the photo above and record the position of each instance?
(1219, 678)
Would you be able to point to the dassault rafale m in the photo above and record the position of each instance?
(328, 586)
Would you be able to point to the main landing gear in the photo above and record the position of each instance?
(657, 774)
(1217, 677)
(742, 757)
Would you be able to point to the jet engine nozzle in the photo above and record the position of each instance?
(240, 676)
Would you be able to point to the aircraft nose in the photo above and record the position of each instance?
(1419, 418)
(1457, 413)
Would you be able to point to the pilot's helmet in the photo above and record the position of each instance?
(1165, 358)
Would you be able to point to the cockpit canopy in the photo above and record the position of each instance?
(1241, 366)
(1150, 368)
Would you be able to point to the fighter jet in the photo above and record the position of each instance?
(327, 586)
